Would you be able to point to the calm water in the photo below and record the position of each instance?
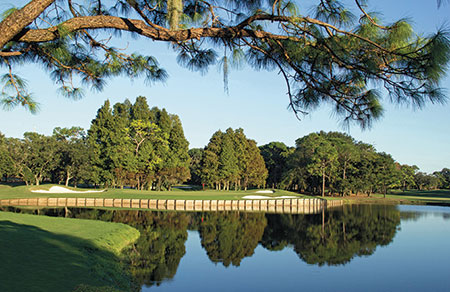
(352, 248)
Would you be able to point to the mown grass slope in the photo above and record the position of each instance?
(40, 253)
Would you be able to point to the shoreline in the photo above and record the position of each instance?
(290, 206)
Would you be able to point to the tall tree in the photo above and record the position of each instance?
(387, 174)
(6, 161)
(347, 158)
(232, 159)
(121, 151)
(210, 162)
(101, 141)
(195, 168)
(255, 170)
(321, 155)
(228, 162)
(407, 173)
(275, 157)
(175, 167)
(40, 155)
(138, 146)
(328, 54)
(74, 162)
(444, 176)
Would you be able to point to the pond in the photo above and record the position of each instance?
(349, 248)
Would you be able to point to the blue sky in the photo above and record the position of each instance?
(257, 101)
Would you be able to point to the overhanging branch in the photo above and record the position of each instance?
(140, 27)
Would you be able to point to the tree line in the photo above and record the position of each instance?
(336, 163)
(135, 146)
(126, 145)
(320, 163)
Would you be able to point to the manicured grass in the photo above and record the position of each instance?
(436, 197)
(181, 194)
(398, 197)
(40, 253)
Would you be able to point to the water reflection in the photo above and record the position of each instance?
(337, 236)
(332, 238)
(157, 253)
(229, 237)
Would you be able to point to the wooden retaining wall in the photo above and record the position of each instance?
(292, 206)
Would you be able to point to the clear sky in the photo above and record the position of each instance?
(257, 101)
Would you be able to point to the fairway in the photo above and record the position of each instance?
(18, 192)
(42, 253)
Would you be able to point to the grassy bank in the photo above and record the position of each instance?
(42, 253)
(7, 192)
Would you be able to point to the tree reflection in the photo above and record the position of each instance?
(229, 237)
(155, 256)
(337, 236)
(157, 253)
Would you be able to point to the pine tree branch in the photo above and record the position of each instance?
(140, 27)
(18, 20)
(369, 17)
(10, 54)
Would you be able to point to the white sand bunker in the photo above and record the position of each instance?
(256, 197)
(265, 192)
(60, 190)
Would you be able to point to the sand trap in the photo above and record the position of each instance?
(60, 190)
(265, 192)
(255, 197)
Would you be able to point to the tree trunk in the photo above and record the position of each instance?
(67, 178)
(323, 183)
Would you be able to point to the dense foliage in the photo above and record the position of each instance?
(129, 145)
(335, 53)
(137, 146)
(338, 164)
(232, 159)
